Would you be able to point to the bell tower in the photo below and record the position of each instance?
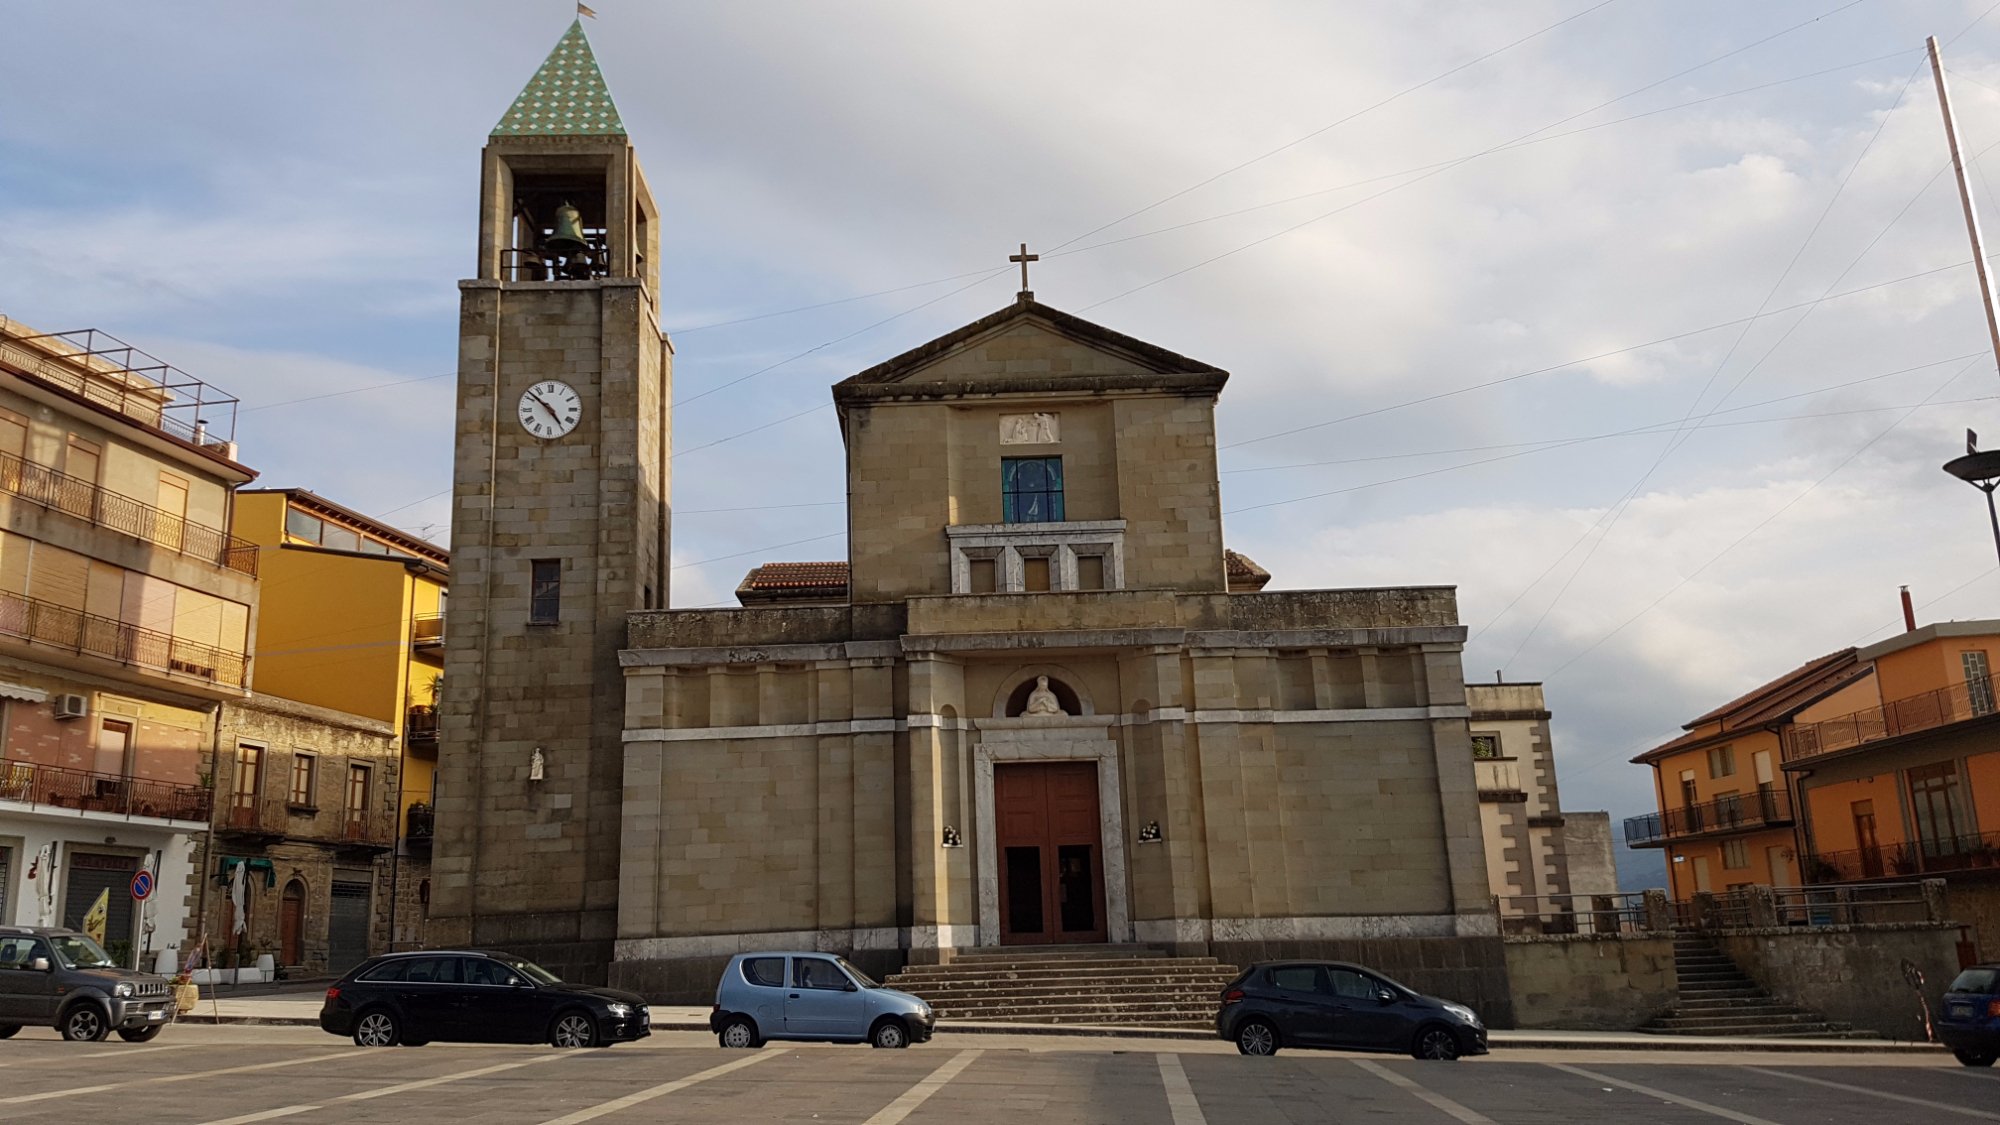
(559, 524)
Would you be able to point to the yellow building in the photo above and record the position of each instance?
(352, 618)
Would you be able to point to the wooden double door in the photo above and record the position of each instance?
(1051, 855)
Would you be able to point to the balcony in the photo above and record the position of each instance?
(269, 819)
(39, 484)
(421, 824)
(45, 623)
(427, 631)
(1499, 780)
(1936, 857)
(375, 831)
(1744, 812)
(1957, 703)
(420, 729)
(56, 787)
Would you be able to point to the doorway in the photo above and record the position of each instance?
(1051, 855)
(292, 925)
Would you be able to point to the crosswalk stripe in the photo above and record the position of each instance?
(1180, 1096)
(915, 1096)
(1457, 1111)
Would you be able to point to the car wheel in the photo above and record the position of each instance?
(889, 1033)
(1435, 1041)
(1976, 1058)
(738, 1032)
(139, 1034)
(377, 1028)
(1256, 1037)
(573, 1029)
(84, 1024)
(7, 1030)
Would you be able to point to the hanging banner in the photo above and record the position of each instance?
(99, 914)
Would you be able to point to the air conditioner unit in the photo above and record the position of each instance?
(72, 706)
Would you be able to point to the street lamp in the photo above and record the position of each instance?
(1981, 471)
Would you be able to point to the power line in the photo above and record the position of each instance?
(1336, 124)
(760, 550)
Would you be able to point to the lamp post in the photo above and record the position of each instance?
(1981, 471)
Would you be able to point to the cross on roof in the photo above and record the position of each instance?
(1024, 258)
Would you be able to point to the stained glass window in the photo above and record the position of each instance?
(1031, 489)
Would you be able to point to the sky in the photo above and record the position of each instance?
(1646, 324)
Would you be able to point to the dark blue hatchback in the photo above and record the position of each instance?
(1970, 1021)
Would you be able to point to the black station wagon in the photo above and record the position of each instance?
(475, 996)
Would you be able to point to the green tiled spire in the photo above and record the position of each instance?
(566, 97)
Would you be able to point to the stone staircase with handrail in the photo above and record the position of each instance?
(1717, 999)
(1123, 985)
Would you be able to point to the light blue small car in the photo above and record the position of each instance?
(812, 996)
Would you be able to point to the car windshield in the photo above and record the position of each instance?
(79, 952)
(1977, 980)
(860, 977)
(530, 970)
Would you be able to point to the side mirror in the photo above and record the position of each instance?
(520, 982)
(850, 986)
(1384, 996)
(39, 965)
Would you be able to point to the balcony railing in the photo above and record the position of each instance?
(61, 788)
(1968, 700)
(422, 823)
(1498, 778)
(1763, 809)
(41, 622)
(99, 368)
(1934, 857)
(427, 630)
(276, 818)
(78, 497)
(420, 729)
(1573, 914)
(368, 829)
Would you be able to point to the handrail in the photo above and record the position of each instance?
(1935, 708)
(35, 784)
(87, 500)
(1550, 915)
(47, 623)
(1765, 808)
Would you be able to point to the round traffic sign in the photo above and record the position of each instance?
(142, 885)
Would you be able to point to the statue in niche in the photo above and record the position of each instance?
(1042, 701)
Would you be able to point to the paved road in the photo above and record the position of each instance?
(241, 1075)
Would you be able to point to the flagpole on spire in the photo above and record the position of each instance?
(584, 10)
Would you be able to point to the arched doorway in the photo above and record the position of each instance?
(292, 925)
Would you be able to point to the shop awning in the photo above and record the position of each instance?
(227, 864)
(24, 694)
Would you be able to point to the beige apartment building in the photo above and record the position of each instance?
(125, 614)
(1538, 857)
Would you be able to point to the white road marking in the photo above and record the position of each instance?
(1180, 1096)
(664, 1088)
(1457, 1111)
(186, 1077)
(127, 1052)
(915, 1096)
(421, 1083)
(1945, 1107)
(1713, 1110)
(266, 1115)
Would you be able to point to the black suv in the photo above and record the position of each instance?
(1332, 1004)
(59, 978)
(475, 996)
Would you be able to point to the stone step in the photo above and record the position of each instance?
(1083, 1014)
(1707, 976)
(1114, 987)
(1684, 1011)
(1054, 952)
(1721, 1003)
(1206, 967)
(1166, 1006)
(1205, 979)
(1804, 1021)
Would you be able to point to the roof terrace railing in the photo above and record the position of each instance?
(1956, 703)
(101, 369)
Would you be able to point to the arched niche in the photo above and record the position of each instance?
(1012, 700)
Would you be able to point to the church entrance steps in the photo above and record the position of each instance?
(1131, 986)
(1716, 998)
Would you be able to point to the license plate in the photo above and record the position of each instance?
(645, 1019)
(156, 1016)
(1961, 1011)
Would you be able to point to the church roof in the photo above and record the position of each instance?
(780, 582)
(567, 97)
(1245, 576)
(1150, 356)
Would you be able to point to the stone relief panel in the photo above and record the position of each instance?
(1030, 429)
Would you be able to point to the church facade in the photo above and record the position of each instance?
(1039, 703)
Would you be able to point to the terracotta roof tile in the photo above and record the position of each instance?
(815, 576)
(1244, 575)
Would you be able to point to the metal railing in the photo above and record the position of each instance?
(85, 500)
(371, 828)
(87, 634)
(420, 728)
(1945, 705)
(422, 822)
(1552, 915)
(101, 369)
(56, 786)
(1850, 905)
(1766, 808)
(1930, 857)
(427, 629)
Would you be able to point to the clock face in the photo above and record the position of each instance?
(550, 409)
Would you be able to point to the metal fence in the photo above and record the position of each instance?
(1766, 808)
(1553, 915)
(62, 627)
(1847, 904)
(1952, 704)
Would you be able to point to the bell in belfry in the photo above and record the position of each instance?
(567, 237)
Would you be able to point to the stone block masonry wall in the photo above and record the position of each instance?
(1590, 982)
(1850, 973)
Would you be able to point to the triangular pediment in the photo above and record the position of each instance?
(1032, 343)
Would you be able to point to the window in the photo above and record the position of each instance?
(1735, 855)
(388, 971)
(1485, 745)
(339, 538)
(305, 770)
(1031, 490)
(301, 525)
(249, 775)
(480, 970)
(357, 792)
(766, 972)
(1351, 985)
(1722, 761)
(13, 433)
(1937, 801)
(820, 973)
(545, 591)
(985, 575)
(1035, 574)
(1090, 572)
(432, 970)
(1978, 682)
(374, 547)
(1295, 978)
(20, 952)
